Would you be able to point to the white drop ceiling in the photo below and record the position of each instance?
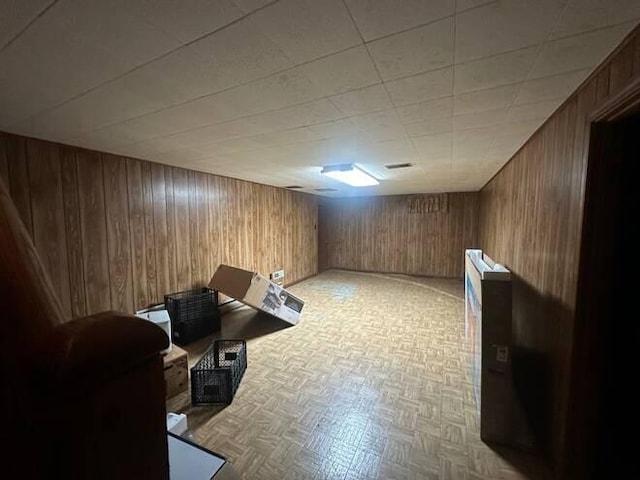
(271, 91)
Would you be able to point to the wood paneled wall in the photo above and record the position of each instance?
(530, 220)
(381, 234)
(119, 233)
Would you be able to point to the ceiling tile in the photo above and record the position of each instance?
(462, 5)
(272, 90)
(431, 109)
(239, 53)
(502, 69)
(308, 29)
(15, 16)
(185, 20)
(214, 133)
(557, 86)
(342, 71)
(420, 88)
(283, 137)
(391, 151)
(333, 129)
(20, 97)
(311, 113)
(434, 147)
(533, 111)
(248, 6)
(503, 26)
(369, 99)
(516, 130)
(419, 50)
(469, 143)
(584, 15)
(280, 90)
(491, 99)
(484, 118)
(380, 125)
(103, 107)
(77, 33)
(580, 51)
(377, 18)
(430, 127)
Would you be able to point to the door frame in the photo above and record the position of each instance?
(588, 350)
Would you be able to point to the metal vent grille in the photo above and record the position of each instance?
(326, 189)
(293, 187)
(393, 166)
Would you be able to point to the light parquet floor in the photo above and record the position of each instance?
(373, 383)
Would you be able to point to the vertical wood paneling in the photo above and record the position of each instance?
(233, 213)
(69, 179)
(153, 296)
(47, 207)
(16, 152)
(118, 235)
(171, 229)
(380, 234)
(225, 220)
(4, 164)
(214, 236)
(621, 68)
(636, 56)
(195, 259)
(530, 220)
(274, 233)
(203, 251)
(137, 237)
(94, 231)
(260, 224)
(182, 234)
(161, 237)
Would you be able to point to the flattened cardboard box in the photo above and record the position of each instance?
(254, 290)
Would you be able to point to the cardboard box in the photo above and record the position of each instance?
(176, 371)
(254, 290)
(161, 318)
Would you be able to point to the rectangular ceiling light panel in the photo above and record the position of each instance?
(349, 174)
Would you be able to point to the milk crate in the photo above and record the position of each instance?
(216, 376)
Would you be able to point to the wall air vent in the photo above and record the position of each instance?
(326, 189)
(293, 187)
(393, 166)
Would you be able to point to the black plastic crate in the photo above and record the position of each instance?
(194, 314)
(216, 376)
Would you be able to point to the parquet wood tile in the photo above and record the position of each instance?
(373, 383)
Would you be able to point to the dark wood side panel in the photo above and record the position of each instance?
(530, 220)
(380, 234)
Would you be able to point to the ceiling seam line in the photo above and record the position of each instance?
(28, 25)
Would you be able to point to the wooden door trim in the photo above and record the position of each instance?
(619, 106)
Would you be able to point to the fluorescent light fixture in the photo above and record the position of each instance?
(349, 174)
